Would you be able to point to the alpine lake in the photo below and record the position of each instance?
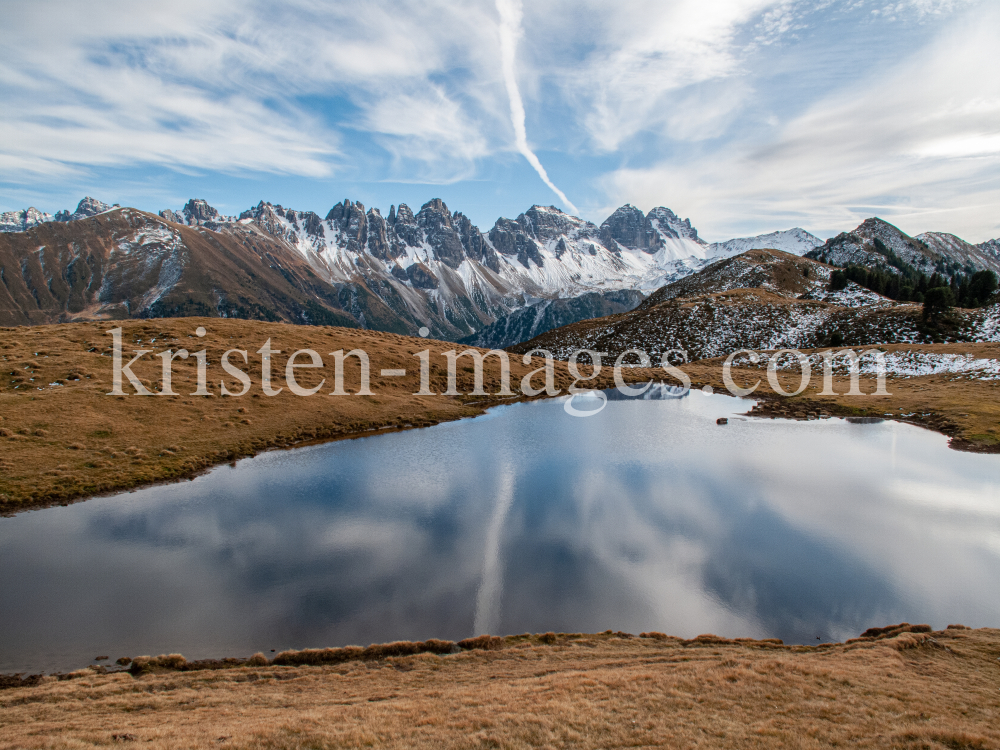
(645, 516)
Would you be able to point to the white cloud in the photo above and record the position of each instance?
(918, 144)
(218, 86)
(637, 55)
(430, 129)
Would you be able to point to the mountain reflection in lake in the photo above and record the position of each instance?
(646, 516)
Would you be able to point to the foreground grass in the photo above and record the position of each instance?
(898, 690)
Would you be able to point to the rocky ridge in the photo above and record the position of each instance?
(21, 221)
(761, 300)
(879, 244)
(401, 271)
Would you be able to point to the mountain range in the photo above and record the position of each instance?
(397, 272)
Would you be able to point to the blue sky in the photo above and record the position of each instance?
(745, 115)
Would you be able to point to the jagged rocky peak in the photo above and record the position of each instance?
(511, 239)
(265, 216)
(545, 223)
(629, 227)
(350, 218)
(475, 244)
(436, 221)
(520, 237)
(89, 207)
(670, 224)
(434, 212)
(404, 215)
(378, 235)
(21, 221)
(346, 213)
(197, 211)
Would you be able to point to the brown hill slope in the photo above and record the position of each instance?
(128, 263)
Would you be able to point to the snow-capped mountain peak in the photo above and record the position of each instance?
(795, 241)
(21, 221)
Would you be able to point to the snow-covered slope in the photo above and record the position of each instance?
(795, 241)
(958, 251)
(21, 221)
(991, 248)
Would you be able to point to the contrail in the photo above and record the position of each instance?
(510, 30)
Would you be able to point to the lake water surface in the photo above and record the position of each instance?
(646, 516)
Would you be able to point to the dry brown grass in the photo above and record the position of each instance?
(902, 690)
(71, 440)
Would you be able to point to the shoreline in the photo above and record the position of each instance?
(138, 666)
(902, 686)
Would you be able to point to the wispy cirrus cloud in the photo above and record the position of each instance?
(238, 86)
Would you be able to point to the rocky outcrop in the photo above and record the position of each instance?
(434, 219)
(669, 225)
(197, 211)
(629, 227)
(512, 238)
(87, 207)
